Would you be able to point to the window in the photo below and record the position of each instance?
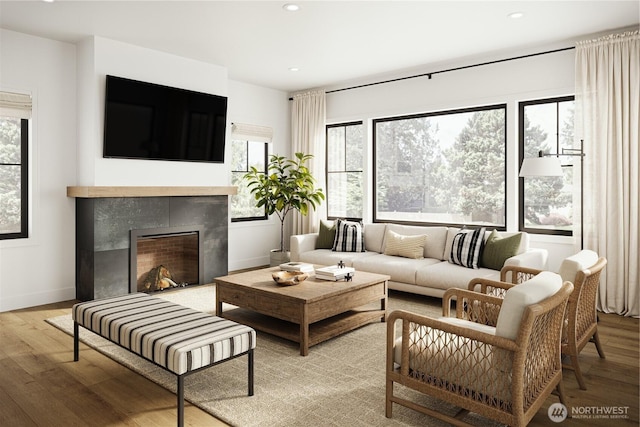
(442, 168)
(15, 112)
(546, 203)
(345, 161)
(244, 155)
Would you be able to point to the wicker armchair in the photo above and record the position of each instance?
(504, 372)
(581, 324)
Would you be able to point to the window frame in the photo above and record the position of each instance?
(501, 106)
(266, 160)
(521, 149)
(24, 184)
(345, 171)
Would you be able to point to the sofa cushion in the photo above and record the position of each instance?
(580, 261)
(451, 232)
(349, 236)
(405, 246)
(498, 249)
(466, 247)
(444, 275)
(329, 257)
(400, 269)
(326, 235)
(374, 236)
(436, 238)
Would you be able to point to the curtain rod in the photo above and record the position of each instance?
(430, 74)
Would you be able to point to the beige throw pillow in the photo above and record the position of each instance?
(405, 246)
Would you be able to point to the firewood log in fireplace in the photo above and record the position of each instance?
(159, 278)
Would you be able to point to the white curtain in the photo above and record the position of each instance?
(308, 116)
(607, 111)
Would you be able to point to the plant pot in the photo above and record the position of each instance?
(278, 257)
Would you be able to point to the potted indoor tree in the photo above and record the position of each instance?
(288, 185)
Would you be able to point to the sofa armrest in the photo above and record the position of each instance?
(532, 258)
(302, 243)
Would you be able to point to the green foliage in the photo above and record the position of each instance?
(476, 167)
(408, 155)
(288, 185)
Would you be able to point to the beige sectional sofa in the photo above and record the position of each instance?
(431, 275)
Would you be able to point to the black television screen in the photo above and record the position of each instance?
(150, 121)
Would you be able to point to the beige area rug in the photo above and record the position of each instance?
(340, 383)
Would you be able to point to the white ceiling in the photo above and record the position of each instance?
(329, 41)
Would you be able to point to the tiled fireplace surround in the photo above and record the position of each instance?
(105, 217)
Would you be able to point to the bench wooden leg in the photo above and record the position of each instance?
(76, 344)
(180, 400)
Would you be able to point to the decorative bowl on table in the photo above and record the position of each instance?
(289, 278)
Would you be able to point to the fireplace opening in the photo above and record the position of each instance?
(164, 258)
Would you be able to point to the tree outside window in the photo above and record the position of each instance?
(345, 163)
(442, 168)
(244, 155)
(546, 203)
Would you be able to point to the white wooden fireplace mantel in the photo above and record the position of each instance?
(92, 192)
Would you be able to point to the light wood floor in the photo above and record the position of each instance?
(40, 385)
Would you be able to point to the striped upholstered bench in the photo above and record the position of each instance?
(176, 338)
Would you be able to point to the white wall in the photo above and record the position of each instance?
(505, 82)
(41, 268)
(67, 83)
(250, 242)
(98, 57)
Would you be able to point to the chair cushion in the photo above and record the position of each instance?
(404, 246)
(349, 236)
(580, 261)
(516, 299)
(498, 249)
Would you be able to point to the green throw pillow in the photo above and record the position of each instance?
(326, 235)
(497, 249)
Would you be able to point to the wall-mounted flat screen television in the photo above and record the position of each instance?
(149, 121)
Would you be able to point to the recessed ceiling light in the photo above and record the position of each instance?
(293, 69)
(291, 7)
(515, 15)
(48, 1)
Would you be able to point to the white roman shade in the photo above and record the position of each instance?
(251, 132)
(15, 105)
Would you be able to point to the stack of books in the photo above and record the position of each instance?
(297, 266)
(334, 272)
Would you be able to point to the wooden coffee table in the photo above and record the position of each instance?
(308, 313)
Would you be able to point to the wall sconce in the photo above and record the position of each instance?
(548, 164)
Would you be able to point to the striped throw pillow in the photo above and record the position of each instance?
(405, 246)
(467, 247)
(349, 236)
